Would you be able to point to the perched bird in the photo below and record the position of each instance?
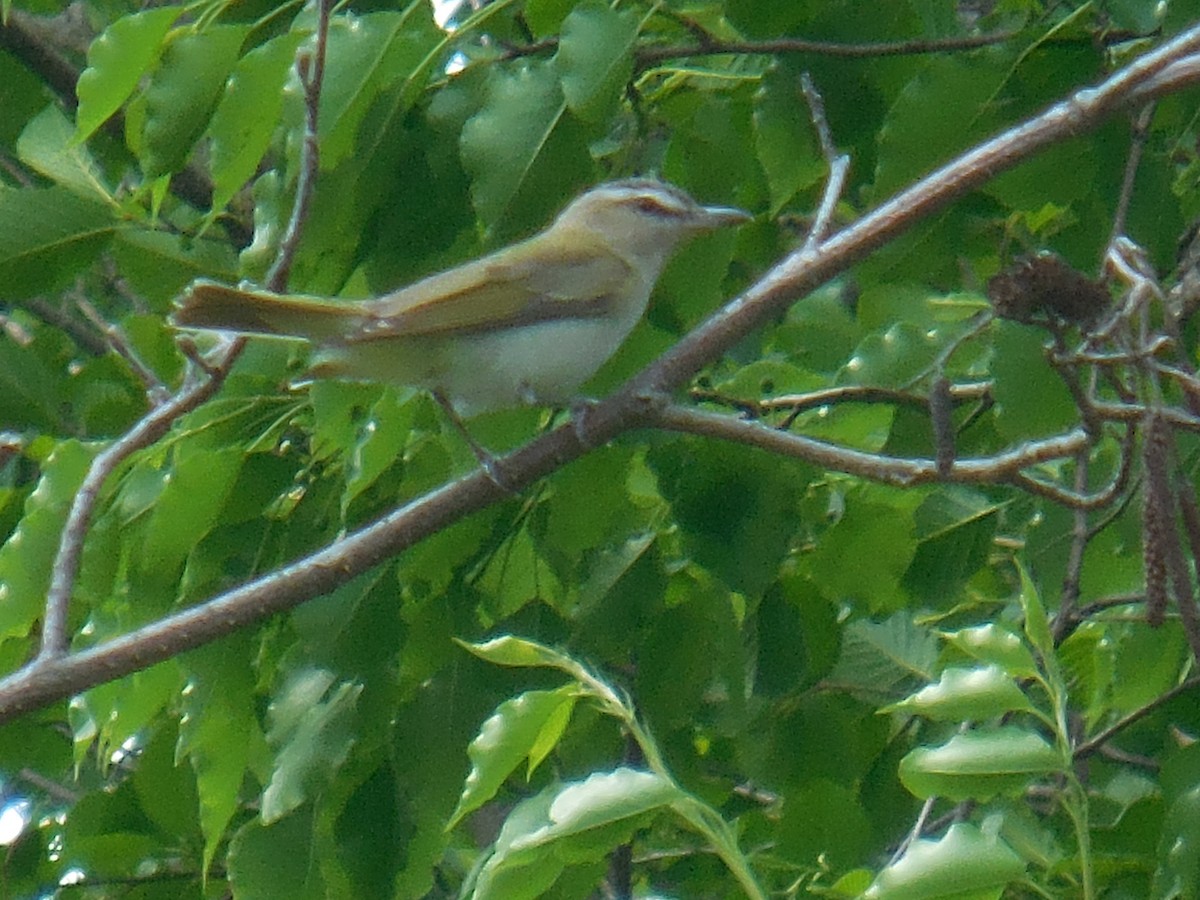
(524, 325)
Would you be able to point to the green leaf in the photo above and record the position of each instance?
(311, 729)
(368, 58)
(894, 358)
(507, 650)
(183, 93)
(166, 792)
(966, 694)
(522, 143)
(582, 822)
(248, 114)
(979, 764)
(824, 820)
(598, 800)
(867, 530)
(45, 146)
(218, 731)
(1031, 399)
(966, 864)
(783, 140)
(277, 860)
(116, 62)
(122, 710)
(734, 509)
(946, 98)
(159, 265)
(882, 655)
(26, 558)
(47, 237)
(509, 736)
(595, 58)
(379, 444)
(545, 17)
(1037, 623)
(34, 381)
(195, 489)
(956, 528)
(996, 644)
(1178, 872)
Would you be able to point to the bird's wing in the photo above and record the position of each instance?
(523, 286)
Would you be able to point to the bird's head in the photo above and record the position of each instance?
(640, 217)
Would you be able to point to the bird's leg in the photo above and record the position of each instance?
(489, 463)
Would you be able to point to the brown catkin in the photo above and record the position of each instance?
(1036, 288)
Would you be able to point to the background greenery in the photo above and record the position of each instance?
(677, 666)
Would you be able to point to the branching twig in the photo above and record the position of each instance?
(839, 165)
(708, 44)
(648, 56)
(156, 423)
(66, 563)
(155, 389)
(877, 467)
(87, 339)
(800, 273)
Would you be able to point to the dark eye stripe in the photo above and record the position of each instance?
(655, 207)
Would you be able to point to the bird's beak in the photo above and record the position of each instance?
(720, 216)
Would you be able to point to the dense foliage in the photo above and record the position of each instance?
(899, 601)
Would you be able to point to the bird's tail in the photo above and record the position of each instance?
(212, 306)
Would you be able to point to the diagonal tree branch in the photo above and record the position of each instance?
(634, 405)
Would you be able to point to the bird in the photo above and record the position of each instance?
(524, 325)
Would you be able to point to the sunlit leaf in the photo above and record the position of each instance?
(964, 865)
(966, 694)
(507, 738)
(979, 764)
(117, 60)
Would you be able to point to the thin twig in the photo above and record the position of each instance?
(651, 55)
(155, 389)
(1137, 144)
(48, 786)
(87, 339)
(312, 75)
(877, 467)
(848, 393)
(1094, 743)
(914, 833)
(15, 171)
(839, 165)
(1079, 540)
